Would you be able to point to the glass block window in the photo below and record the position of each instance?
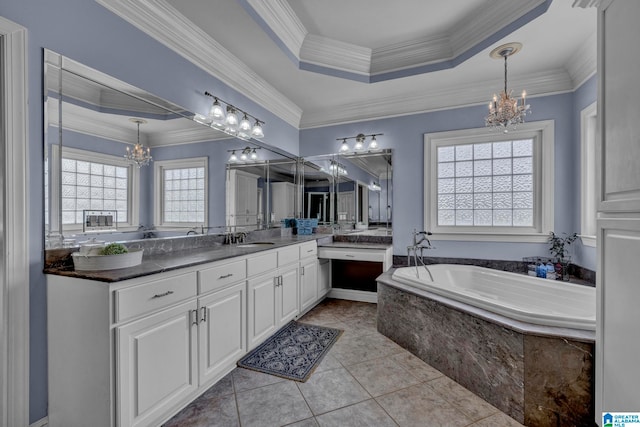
(182, 190)
(482, 186)
(487, 184)
(93, 185)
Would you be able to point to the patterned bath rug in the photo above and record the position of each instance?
(293, 352)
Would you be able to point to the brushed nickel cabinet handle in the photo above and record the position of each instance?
(162, 295)
(194, 317)
(225, 276)
(204, 314)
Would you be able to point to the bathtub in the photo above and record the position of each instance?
(528, 299)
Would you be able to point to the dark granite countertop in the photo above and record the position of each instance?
(158, 263)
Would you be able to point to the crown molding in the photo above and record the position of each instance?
(411, 53)
(486, 21)
(545, 83)
(283, 21)
(165, 24)
(586, 3)
(184, 136)
(471, 33)
(584, 61)
(336, 54)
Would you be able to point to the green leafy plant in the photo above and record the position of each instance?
(558, 243)
(114, 249)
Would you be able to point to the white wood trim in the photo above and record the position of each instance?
(43, 422)
(588, 202)
(160, 20)
(283, 21)
(350, 294)
(336, 54)
(403, 104)
(158, 189)
(544, 214)
(14, 345)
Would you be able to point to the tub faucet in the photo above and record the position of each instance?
(419, 237)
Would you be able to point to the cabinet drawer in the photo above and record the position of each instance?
(140, 299)
(288, 254)
(261, 263)
(374, 255)
(308, 249)
(221, 275)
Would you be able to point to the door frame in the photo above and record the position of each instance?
(14, 292)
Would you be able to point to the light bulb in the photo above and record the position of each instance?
(373, 144)
(254, 155)
(231, 121)
(243, 156)
(216, 112)
(233, 157)
(344, 147)
(245, 125)
(359, 146)
(257, 131)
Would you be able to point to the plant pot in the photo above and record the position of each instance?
(562, 268)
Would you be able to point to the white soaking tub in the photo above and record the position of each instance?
(528, 299)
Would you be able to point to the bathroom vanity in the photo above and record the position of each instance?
(131, 347)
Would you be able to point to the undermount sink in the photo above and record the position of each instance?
(255, 244)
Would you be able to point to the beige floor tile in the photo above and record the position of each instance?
(364, 414)
(246, 379)
(471, 405)
(328, 363)
(382, 376)
(330, 390)
(352, 349)
(272, 405)
(420, 405)
(416, 366)
(309, 422)
(498, 420)
(207, 412)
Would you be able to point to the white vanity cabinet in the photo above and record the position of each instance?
(273, 294)
(284, 196)
(309, 292)
(157, 364)
(133, 353)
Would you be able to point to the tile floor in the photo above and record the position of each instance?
(365, 380)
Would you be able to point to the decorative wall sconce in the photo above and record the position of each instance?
(246, 154)
(359, 146)
(231, 120)
(138, 155)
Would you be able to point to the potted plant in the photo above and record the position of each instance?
(559, 250)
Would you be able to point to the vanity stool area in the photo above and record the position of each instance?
(131, 347)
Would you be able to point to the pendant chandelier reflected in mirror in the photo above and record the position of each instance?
(139, 155)
(505, 111)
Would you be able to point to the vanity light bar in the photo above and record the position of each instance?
(231, 120)
(246, 154)
(359, 145)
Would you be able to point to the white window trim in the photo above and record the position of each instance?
(133, 190)
(158, 168)
(588, 208)
(544, 192)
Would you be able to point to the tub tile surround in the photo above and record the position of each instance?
(579, 275)
(385, 385)
(534, 379)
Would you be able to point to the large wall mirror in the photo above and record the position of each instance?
(92, 119)
(191, 186)
(352, 192)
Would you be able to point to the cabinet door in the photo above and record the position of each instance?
(324, 277)
(308, 283)
(288, 295)
(261, 309)
(221, 334)
(156, 365)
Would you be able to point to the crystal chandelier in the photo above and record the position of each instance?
(231, 120)
(139, 155)
(506, 111)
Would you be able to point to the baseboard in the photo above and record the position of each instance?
(353, 295)
(41, 423)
